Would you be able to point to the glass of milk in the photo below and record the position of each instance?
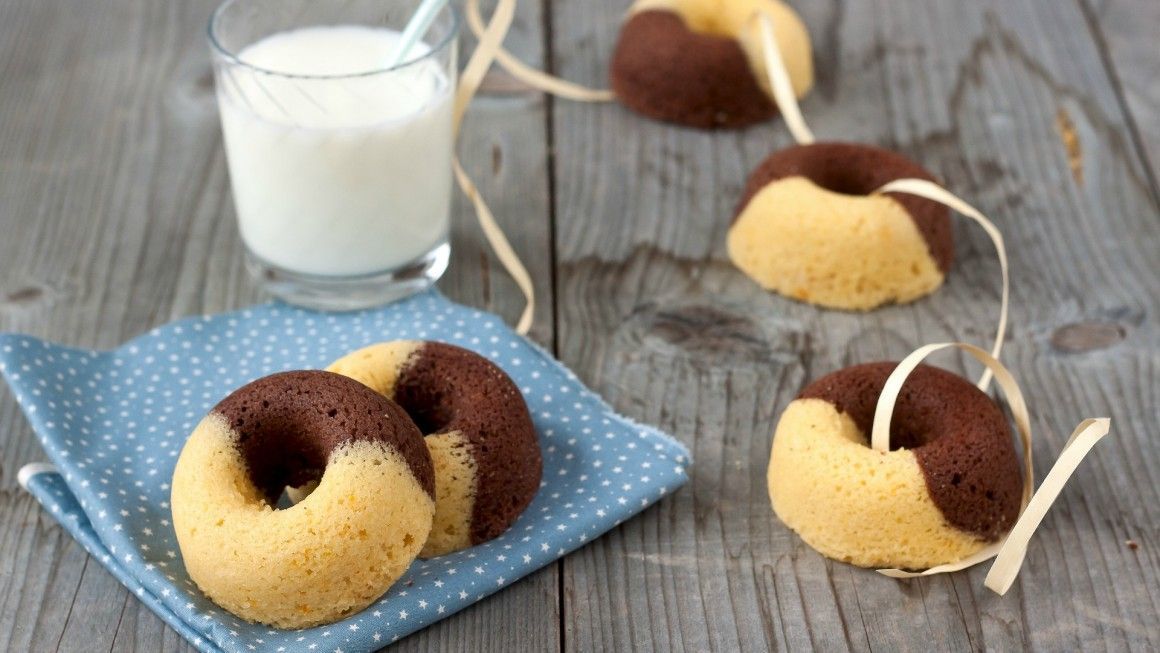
(340, 164)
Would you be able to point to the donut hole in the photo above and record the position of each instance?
(959, 436)
(282, 450)
(434, 417)
(844, 180)
(277, 460)
(429, 400)
(286, 499)
(911, 433)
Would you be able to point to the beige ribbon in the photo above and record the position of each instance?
(787, 102)
(490, 41)
(936, 193)
(779, 82)
(1009, 559)
(538, 80)
(1010, 552)
(783, 94)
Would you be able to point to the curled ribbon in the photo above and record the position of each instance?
(936, 193)
(787, 103)
(780, 84)
(490, 49)
(537, 79)
(1011, 551)
(1008, 553)
(490, 41)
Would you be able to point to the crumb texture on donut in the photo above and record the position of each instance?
(447, 388)
(479, 433)
(809, 227)
(289, 423)
(959, 436)
(854, 253)
(455, 484)
(950, 484)
(852, 503)
(327, 557)
(860, 169)
(377, 366)
(700, 62)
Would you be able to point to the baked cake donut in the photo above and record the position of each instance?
(341, 547)
(480, 435)
(700, 63)
(809, 226)
(950, 485)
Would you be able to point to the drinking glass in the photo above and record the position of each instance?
(340, 163)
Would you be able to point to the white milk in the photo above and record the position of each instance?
(337, 177)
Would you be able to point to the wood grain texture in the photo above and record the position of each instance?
(654, 317)
(116, 217)
(1127, 31)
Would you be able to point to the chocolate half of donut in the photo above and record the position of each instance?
(288, 424)
(447, 388)
(857, 169)
(663, 69)
(959, 437)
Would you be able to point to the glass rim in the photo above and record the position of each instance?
(219, 49)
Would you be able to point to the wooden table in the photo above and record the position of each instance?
(115, 216)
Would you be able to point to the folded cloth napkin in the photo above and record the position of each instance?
(113, 424)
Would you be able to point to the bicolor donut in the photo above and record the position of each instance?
(340, 548)
(700, 63)
(810, 226)
(479, 432)
(950, 485)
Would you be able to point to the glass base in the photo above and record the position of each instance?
(350, 293)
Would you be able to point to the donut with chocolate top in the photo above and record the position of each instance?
(700, 63)
(339, 549)
(479, 432)
(811, 227)
(950, 485)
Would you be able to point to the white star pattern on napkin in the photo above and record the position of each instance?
(114, 424)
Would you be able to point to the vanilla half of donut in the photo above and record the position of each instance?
(950, 485)
(810, 226)
(700, 63)
(478, 429)
(337, 550)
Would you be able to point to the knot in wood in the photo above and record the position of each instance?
(702, 331)
(1087, 336)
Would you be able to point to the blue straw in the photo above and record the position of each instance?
(415, 29)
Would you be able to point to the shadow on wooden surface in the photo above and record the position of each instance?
(116, 216)
(1012, 106)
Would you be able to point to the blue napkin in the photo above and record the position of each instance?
(113, 424)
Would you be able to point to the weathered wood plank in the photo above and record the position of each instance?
(116, 215)
(1126, 30)
(652, 314)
